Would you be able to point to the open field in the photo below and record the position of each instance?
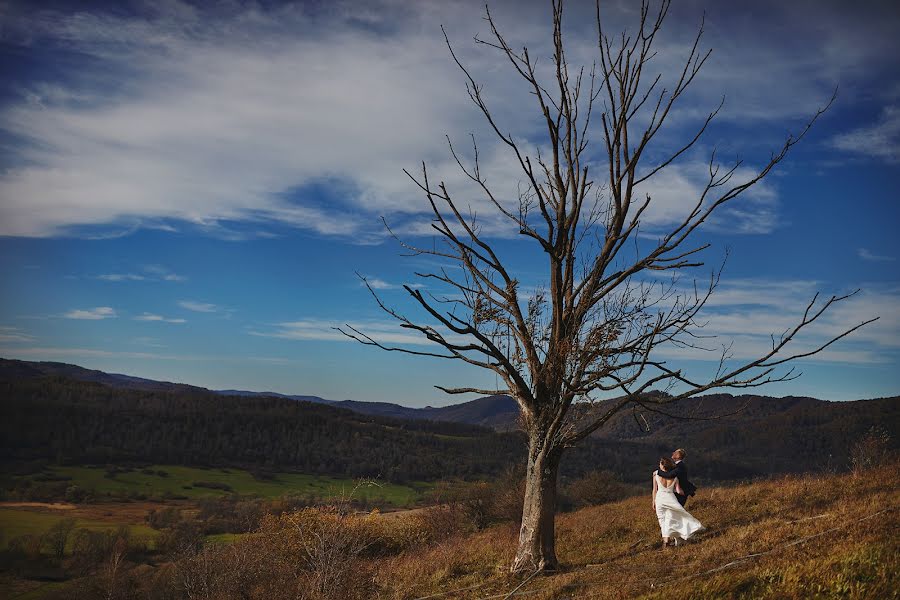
(108, 513)
(168, 481)
(15, 522)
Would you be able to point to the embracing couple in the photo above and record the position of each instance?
(671, 489)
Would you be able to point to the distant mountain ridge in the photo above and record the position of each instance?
(21, 369)
(499, 412)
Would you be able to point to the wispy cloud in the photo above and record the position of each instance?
(14, 334)
(150, 342)
(866, 254)
(880, 140)
(151, 273)
(163, 273)
(91, 314)
(182, 115)
(385, 332)
(378, 284)
(750, 312)
(121, 277)
(73, 353)
(203, 307)
(153, 317)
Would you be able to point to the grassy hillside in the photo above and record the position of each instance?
(829, 536)
(795, 537)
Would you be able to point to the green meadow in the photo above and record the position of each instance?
(17, 522)
(160, 481)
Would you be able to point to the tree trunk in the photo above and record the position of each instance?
(537, 535)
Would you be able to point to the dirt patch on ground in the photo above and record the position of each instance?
(112, 512)
(50, 505)
(404, 512)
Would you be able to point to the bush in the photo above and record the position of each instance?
(213, 485)
(231, 514)
(163, 518)
(596, 487)
(26, 546)
(329, 545)
(481, 503)
(77, 495)
(873, 450)
(57, 537)
(262, 475)
(184, 537)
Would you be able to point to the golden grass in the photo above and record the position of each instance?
(613, 551)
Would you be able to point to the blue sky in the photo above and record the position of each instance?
(188, 193)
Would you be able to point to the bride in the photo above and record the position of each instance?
(674, 521)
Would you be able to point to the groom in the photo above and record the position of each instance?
(681, 472)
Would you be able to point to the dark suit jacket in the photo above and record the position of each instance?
(681, 472)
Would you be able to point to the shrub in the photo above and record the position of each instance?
(26, 546)
(873, 450)
(183, 537)
(164, 517)
(596, 487)
(57, 537)
(328, 544)
(213, 485)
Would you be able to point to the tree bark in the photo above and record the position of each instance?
(537, 535)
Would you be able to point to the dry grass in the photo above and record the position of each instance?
(796, 537)
(613, 551)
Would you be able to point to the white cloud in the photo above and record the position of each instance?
(385, 332)
(218, 118)
(750, 312)
(153, 317)
(163, 273)
(675, 191)
(152, 273)
(880, 140)
(203, 307)
(866, 254)
(91, 314)
(121, 277)
(378, 284)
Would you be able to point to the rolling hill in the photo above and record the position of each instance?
(54, 410)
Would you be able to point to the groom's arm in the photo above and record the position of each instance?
(671, 474)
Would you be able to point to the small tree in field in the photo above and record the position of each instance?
(597, 326)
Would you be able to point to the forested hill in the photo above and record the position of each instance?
(61, 419)
(73, 421)
(758, 433)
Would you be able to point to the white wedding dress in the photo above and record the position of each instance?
(674, 520)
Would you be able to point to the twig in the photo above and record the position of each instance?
(507, 596)
(809, 518)
(447, 593)
(518, 587)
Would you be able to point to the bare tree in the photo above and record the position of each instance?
(597, 328)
